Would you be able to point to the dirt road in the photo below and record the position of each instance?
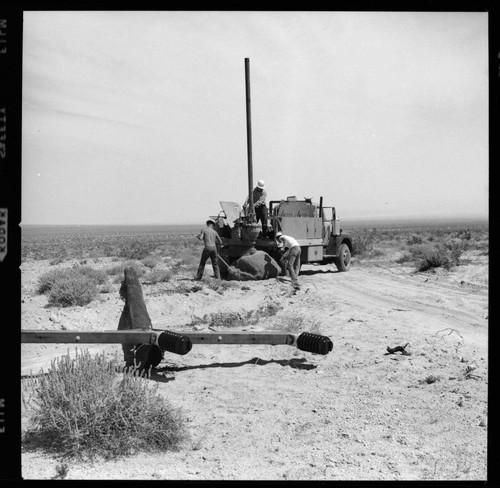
(275, 412)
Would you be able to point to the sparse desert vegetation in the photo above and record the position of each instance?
(357, 413)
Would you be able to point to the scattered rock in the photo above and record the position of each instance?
(482, 423)
(431, 379)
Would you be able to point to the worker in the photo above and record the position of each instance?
(291, 256)
(212, 241)
(259, 203)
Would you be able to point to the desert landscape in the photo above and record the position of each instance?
(275, 412)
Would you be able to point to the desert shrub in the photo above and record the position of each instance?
(83, 408)
(375, 253)
(232, 319)
(404, 258)
(158, 275)
(108, 250)
(413, 239)
(47, 280)
(136, 249)
(71, 286)
(107, 288)
(72, 289)
(295, 323)
(59, 254)
(227, 319)
(96, 275)
(150, 261)
(362, 241)
(268, 309)
(455, 248)
(427, 257)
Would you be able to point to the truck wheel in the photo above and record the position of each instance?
(343, 262)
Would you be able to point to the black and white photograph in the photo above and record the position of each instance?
(254, 245)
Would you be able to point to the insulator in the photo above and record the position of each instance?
(315, 343)
(173, 342)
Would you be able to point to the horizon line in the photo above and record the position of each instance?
(345, 219)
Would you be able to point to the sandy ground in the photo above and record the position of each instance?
(278, 413)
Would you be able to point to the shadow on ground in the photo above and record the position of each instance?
(292, 363)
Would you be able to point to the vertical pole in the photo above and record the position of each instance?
(251, 209)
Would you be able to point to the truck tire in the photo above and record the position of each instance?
(343, 261)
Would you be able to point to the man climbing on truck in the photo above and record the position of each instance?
(291, 257)
(259, 196)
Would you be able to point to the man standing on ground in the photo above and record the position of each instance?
(291, 256)
(211, 239)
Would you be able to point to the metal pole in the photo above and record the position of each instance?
(251, 209)
(179, 342)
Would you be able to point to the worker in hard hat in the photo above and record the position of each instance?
(291, 256)
(259, 203)
(212, 240)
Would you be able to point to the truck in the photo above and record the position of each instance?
(315, 227)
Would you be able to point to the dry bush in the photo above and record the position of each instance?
(406, 257)
(96, 275)
(426, 257)
(296, 323)
(232, 319)
(158, 275)
(150, 261)
(71, 290)
(413, 240)
(82, 408)
(363, 240)
(107, 288)
(227, 319)
(71, 286)
(47, 280)
(136, 248)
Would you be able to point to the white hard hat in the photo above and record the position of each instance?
(260, 183)
(210, 221)
(279, 234)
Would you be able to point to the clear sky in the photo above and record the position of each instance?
(139, 117)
